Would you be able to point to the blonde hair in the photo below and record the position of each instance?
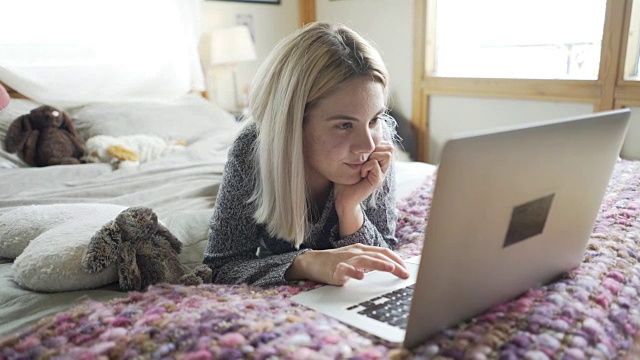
(302, 69)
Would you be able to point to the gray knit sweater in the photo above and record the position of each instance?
(235, 237)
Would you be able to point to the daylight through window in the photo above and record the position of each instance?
(541, 39)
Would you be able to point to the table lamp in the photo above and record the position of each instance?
(229, 47)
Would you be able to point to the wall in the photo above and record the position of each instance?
(450, 115)
(271, 24)
(389, 24)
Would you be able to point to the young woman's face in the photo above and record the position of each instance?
(341, 131)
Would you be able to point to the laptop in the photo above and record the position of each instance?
(512, 209)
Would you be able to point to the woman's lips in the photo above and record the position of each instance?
(355, 166)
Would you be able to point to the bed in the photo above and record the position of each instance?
(181, 187)
(591, 312)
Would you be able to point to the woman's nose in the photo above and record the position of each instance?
(364, 142)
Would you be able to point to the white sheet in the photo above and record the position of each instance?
(410, 175)
(181, 191)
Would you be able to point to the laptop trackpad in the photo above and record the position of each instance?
(335, 300)
(374, 284)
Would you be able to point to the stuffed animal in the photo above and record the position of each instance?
(130, 150)
(145, 252)
(45, 137)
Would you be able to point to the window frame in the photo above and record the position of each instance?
(609, 91)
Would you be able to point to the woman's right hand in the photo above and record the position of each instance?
(337, 266)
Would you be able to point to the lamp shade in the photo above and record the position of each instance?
(231, 45)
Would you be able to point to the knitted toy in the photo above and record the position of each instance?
(128, 151)
(145, 252)
(45, 137)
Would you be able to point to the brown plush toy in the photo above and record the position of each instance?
(145, 252)
(45, 137)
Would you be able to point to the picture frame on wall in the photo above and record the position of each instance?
(270, 2)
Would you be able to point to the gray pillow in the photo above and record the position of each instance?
(187, 118)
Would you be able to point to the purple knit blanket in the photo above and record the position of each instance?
(590, 313)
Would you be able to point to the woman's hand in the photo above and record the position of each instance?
(348, 197)
(372, 172)
(337, 266)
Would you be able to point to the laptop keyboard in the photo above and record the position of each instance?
(391, 308)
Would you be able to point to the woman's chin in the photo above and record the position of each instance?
(351, 180)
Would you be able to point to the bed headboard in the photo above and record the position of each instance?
(12, 93)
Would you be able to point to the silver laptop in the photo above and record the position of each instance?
(512, 209)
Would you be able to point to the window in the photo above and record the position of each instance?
(632, 58)
(534, 39)
(575, 51)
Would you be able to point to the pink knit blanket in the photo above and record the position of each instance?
(592, 312)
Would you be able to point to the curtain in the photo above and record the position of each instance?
(72, 52)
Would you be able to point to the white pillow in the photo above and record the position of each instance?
(51, 240)
(188, 118)
(21, 225)
(191, 227)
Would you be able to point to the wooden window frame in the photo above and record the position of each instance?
(306, 12)
(609, 91)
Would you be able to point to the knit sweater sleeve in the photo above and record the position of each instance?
(380, 220)
(233, 236)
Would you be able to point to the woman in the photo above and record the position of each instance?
(309, 190)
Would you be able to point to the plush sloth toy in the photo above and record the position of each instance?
(145, 252)
(45, 137)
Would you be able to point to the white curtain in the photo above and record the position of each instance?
(73, 52)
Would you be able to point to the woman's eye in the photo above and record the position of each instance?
(344, 126)
(374, 122)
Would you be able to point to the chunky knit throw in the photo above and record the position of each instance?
(591, 313)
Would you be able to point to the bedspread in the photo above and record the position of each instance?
(591, 312)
